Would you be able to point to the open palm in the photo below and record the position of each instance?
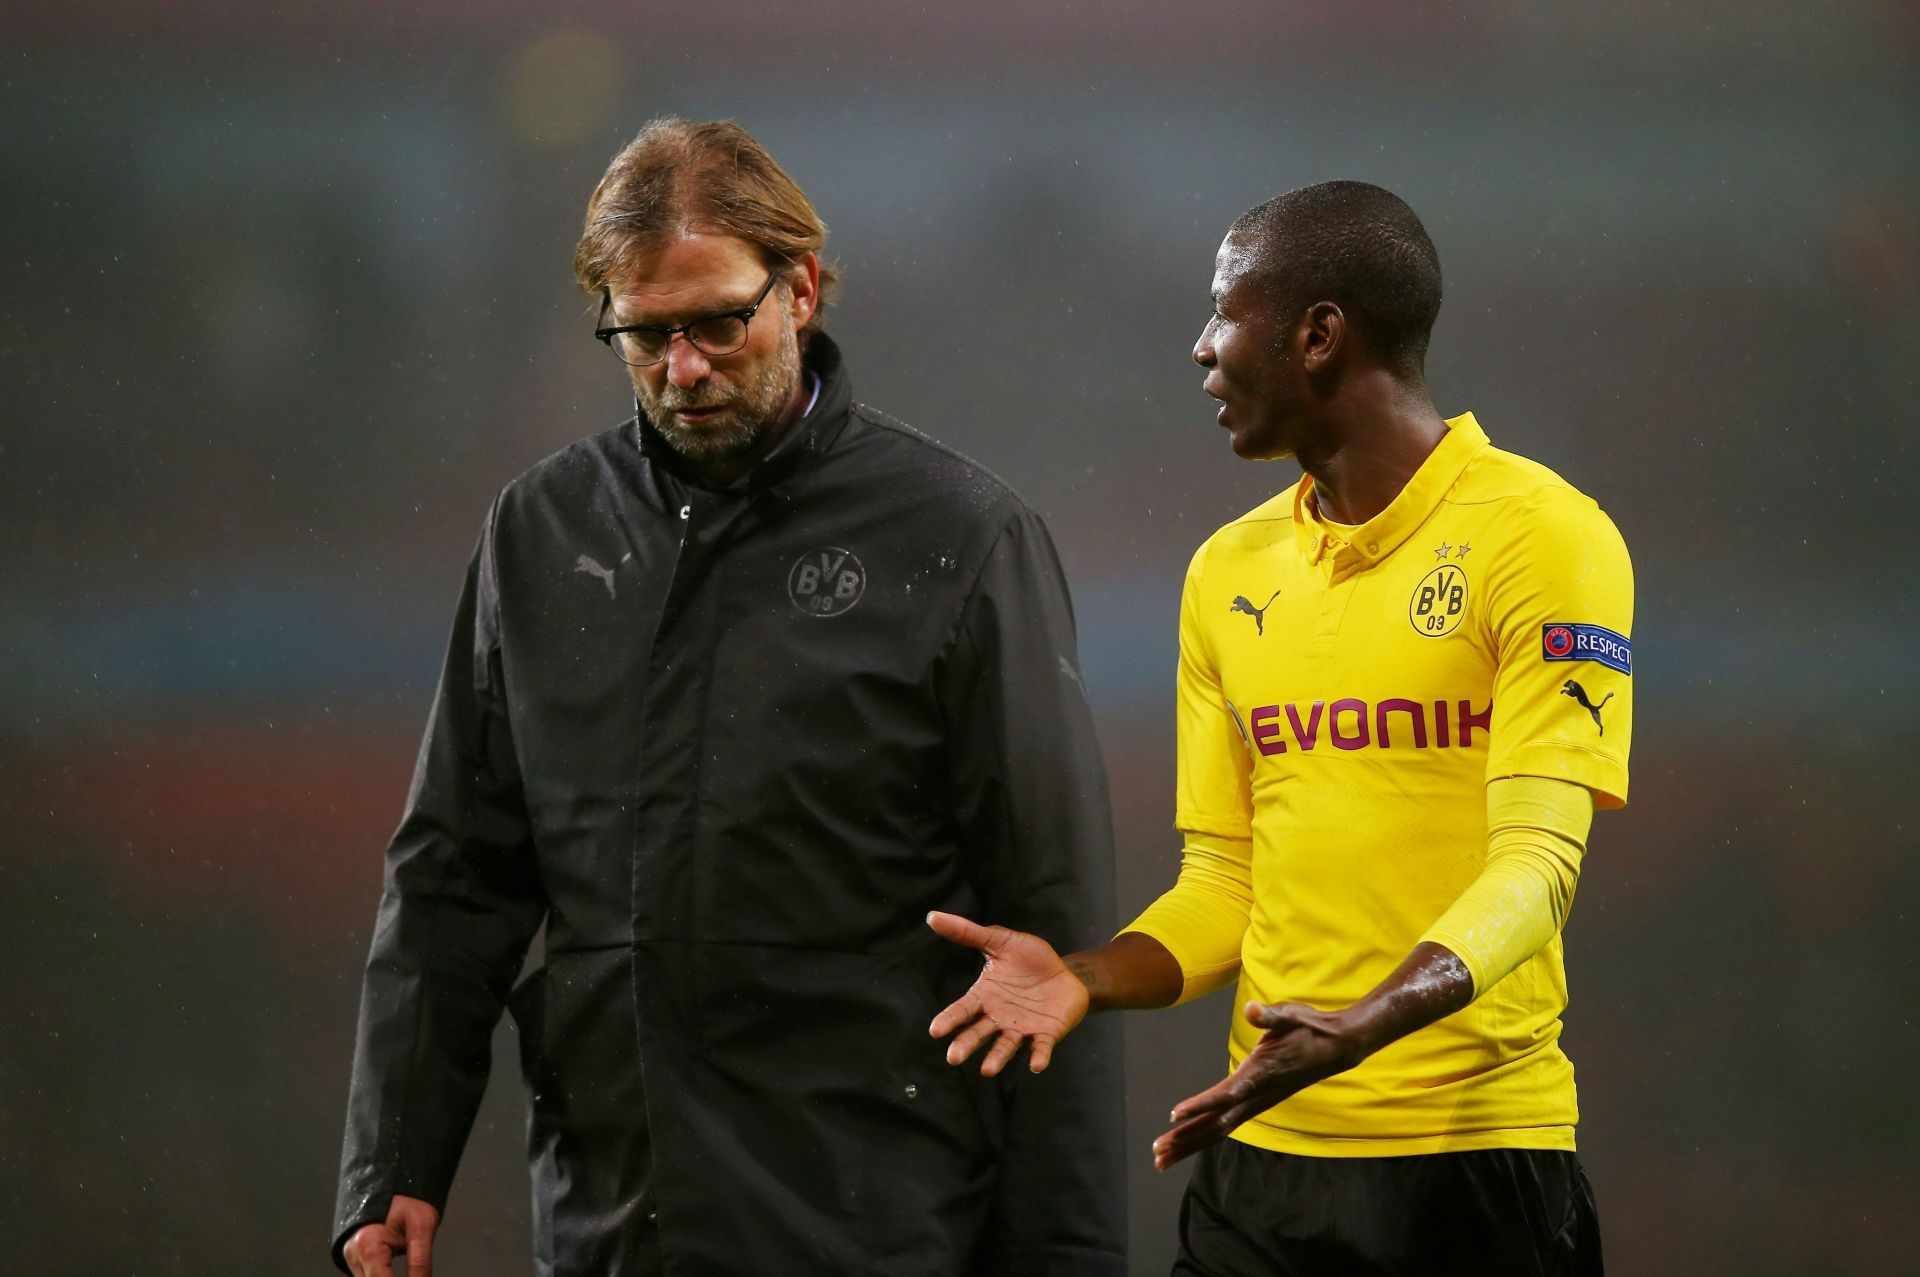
(1024, 993)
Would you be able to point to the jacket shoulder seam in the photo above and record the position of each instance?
(875, 417)
(594, 446)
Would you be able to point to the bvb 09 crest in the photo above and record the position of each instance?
(1439, 601)
(826, 582)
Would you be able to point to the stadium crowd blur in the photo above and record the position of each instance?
(285, 299)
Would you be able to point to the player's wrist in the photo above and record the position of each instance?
(1361, 1029)
(1431, 984)
(1129, 972)
(1087, 972)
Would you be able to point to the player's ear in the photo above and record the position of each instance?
(803, 286)
(1323, 334)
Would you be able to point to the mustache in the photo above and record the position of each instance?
(671, 401)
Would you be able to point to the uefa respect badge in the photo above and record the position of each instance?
(1574, 641)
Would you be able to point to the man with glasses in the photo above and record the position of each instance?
(737, 693)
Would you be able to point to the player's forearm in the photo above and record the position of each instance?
(1128, 973)
(1536, 840)
(1431, 984)
(1537, 836)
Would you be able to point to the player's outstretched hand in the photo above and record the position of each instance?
(1300, 1047)
(1025, 992)
(410, 1226)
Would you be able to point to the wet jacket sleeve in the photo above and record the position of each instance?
(461, 901)
(1031, 801)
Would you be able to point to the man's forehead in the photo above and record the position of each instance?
(1234, 261)
(691, 271)
(656, 293)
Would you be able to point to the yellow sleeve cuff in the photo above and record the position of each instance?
(1536, 838)
(1203, 917)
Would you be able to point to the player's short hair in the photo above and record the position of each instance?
(679, 175)
(1359, 246)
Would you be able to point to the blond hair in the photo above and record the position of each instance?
(678, 176)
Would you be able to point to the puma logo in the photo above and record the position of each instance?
(1579, 693)
(587, 564)
(1259, 614)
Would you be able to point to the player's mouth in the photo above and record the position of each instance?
(691, 415)
(1221, 415)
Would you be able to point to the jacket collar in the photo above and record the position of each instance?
(1385, 532)
(807, 438)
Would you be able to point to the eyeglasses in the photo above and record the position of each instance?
(642, 344)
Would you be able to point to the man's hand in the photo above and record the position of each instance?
(1301, 1046)
(1024, 991)
(410, 1226)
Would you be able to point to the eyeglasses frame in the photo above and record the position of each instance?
(745, 315)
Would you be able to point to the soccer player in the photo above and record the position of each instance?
(1404, 687)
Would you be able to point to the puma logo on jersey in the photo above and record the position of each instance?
(1579, 693)
(587, 564)
(1241, 603)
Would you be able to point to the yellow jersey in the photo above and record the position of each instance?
(1343, 700)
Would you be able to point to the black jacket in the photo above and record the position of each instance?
(730, 746)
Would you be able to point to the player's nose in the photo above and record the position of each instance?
(686, 366)
(1203, 348)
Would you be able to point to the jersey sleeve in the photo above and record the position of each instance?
(1213, 792)
(1562, 624)
(1536, 838)
(1202, 919)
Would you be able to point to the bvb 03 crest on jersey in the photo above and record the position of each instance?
(1439, 601)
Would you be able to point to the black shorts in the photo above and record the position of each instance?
(1491, 1213)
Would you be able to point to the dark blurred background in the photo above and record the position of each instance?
(285, 297)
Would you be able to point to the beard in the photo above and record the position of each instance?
(749, 412)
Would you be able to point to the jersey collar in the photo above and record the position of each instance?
(1385, 532)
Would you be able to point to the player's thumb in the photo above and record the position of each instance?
(1273, 1015)
(951, 926)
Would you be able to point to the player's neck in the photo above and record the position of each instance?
(1375, 434)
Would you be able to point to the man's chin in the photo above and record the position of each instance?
(1254, 448)
(710, 440)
